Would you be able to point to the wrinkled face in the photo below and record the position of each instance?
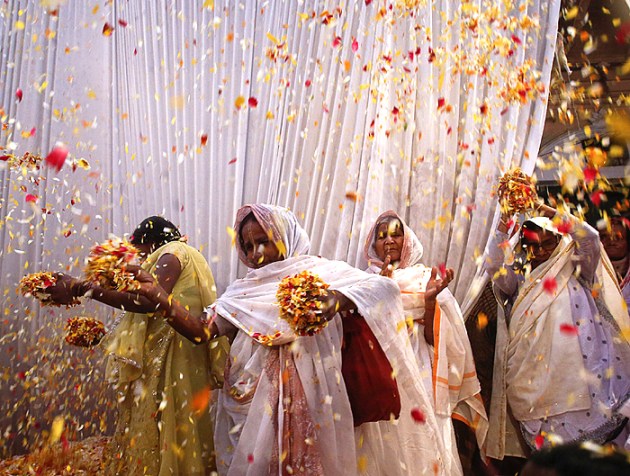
(389, 240)
(259, 248)
(615, 241)
(539, 246)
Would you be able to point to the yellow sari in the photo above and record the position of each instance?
(158, 374)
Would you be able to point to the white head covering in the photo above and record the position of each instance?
(282, 225)
(411, 252)
(544, 223)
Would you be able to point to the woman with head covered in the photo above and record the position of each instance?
(285, 407)
(436, 328)
(561, 360)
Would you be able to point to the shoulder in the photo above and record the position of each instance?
(180, 250)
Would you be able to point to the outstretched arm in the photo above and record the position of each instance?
(67, 288)
(194, 328)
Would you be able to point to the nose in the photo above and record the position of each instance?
(389, 239)
(257, 254)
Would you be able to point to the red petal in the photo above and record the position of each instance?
(18, 94)
(590, 174)
(122, 23)
(441, 103)
(596, 197)
(253, 102)
(538, 441)
(550, 285)
(336, 42)
(530, 235)
(57, 157)
(569, 329)
(355, 45)
(417, 415)
(232, 161)
(31, 198)
(442, 269)
(307, 83)
(565, 227)
(204, 139)
(250, 458)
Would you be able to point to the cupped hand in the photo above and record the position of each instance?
(436, 284)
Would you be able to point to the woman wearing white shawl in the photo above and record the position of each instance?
(561, 362)
(284, 408)
(447, 365)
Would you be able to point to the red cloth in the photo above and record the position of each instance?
(372, 390)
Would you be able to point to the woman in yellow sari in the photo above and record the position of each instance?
(156, 372)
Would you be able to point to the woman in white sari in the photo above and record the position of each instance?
(285, 408)
(561, 362)
(436, 329)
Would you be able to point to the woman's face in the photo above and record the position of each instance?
(257, 245)
(389, 240)
(539, 246)
(615, 241)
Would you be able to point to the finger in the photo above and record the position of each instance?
(385, 268)
(434, 273)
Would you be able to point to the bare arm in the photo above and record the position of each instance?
(167, 271)
(194, 328)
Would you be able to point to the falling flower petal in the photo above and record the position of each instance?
(201, 399)
(18, 94)
(569, 329)
(550, 285)
(417, 415)
(57, 157)
(252, 102)
(108, 29)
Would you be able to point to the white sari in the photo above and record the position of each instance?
(447, 368)
(284, 407)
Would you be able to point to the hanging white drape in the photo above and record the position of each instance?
(338, 110)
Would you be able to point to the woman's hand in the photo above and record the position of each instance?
(436, 285)
(386, 269)
(147, 285)
(66, 289)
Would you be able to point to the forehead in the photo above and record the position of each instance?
(389, 224)
(252, 228)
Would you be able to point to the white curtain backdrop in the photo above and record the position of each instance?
(189, 109)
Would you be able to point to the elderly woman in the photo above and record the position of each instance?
(561, 362)
(285, 407)
(436, 328)
(157, 372)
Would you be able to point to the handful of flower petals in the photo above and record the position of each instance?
(107, 262)
(296, 298)
(517, 192)
(84, 331)
(35, 284)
